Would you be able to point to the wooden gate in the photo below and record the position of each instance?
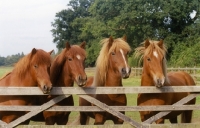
(64, 92)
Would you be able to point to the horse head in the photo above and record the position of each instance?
(75, 57)
(118, 56)
(154, 61)
(40, 69)
(69, 66)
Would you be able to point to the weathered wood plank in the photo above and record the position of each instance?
(181, 125)
(3, 124)
(76, 126)
(95, 108)
(96, 90)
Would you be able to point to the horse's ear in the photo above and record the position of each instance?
(83, 44)
(110, 41)
(124, 38)
(33, 51)
(160, 44)
(147, 43)
(51, 52)
(67, 45)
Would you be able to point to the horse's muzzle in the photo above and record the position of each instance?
(46, 89)
(81, 80)
(159, 83)
(125, 72)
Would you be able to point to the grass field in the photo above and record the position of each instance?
(4, 70)
(132, 81)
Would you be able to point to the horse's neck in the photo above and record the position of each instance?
(68, 81)
(28, 78)
(113, 79)
(14, 79)
(146, 79)
(5, 80)
(64, 80)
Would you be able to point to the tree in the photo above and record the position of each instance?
(2, 61)
(63, 29)
(184, 56)
(10, 60)
(147, 19)
(139, 19)
(169, 20)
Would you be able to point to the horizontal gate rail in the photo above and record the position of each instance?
(97, 109)
(169, 68)
(182, 125)
(77, 126)
(96, 90)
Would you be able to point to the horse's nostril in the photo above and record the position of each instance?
(79, 77)
(123, 70)
(82, 78)
(159, 81)
(45, 87)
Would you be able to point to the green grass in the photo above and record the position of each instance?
(4, 70)
(132, 81)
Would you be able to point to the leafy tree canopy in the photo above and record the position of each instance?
(93, 20)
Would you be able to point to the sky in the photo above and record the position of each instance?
(26, 24)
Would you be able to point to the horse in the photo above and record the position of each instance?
(111, 67)
(152, 54)
(68, 67)
(33, 70)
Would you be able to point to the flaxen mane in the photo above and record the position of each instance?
(141, 51)
(102, 60)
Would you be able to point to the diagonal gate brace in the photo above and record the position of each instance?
(112, 111)
(36, 111)
(180, 102)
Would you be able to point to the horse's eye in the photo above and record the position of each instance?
(35, 66)
(112, 53)
(70, 59)
(148, 59)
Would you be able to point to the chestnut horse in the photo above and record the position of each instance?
(67, 68)
(111, 67)
(155, 74)
(31, 71)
